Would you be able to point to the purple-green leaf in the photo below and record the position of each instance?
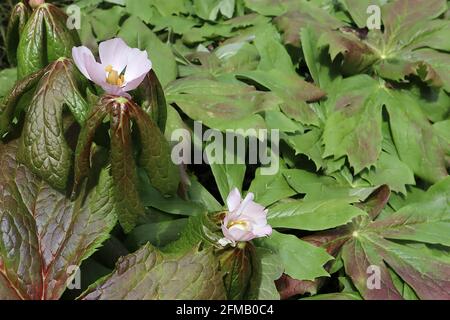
(45, 236)
(149, 274)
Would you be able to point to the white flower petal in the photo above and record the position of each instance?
(224, 242)
(248, 199)
(138, 64)
(134, 83)
(114, 53)
(234, 199)
(263, 231)
(97, 74)
(82, 56)
(240, 235)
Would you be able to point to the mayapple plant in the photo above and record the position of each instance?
(52, 84)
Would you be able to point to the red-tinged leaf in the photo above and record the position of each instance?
(294, 91)
(440, 63)
(221, 105)
(358, 257)
(153, 99)
(155, 153)
(331, 240)
(123, 167)
(44, 235)
(17, 20)
(365, 244)
(427, 274)
(236, 264)
(304, 15)
(149, 274)
(398, 70)
(43, 146)
(401, 16)
(289, 287)
(376, 202)
(357, 55)
(11, 101)
(411, 222)
(85, 140)
(353, 129)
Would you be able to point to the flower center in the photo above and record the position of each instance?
(113, 77)
(240, 224)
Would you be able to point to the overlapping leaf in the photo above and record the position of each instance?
(43, 146)
(44, 235)
(149, 274)
(370, 243)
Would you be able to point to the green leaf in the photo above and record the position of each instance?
(365, 243)
(309, 144)
(44, 39)
(143, 10)
(151, 197)
(358, 10)
(357, 55)
(221, 105)
(19, 91)
(193, 275)
(17, 21)
(315, 186)
(159, 234)
(317, 59)
(292, 89)
(417, 143)
(401, 16)
(301, 260)
(7, 79)
(276, 72)
(353, 129)
(390, 171)
(228, 177)
(268, 189)
(312, 215)
(138, 35)
(44, 233)
(153, 99)
(410, 222)
(267, 269)
(43, 147)
(209, 9)
(203, 228)
(266, 7)
(105, 23)
(155, 153)
(304, 14)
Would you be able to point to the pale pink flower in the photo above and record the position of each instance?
(121, 68)
(245, 219)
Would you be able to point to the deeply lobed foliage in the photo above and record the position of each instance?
(364, 124)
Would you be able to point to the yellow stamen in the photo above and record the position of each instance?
(241, 224)
(113, 77)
